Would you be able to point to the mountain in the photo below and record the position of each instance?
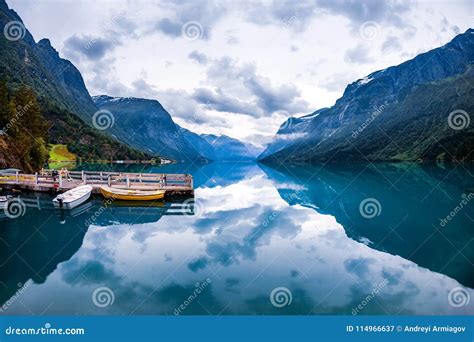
(199, 143)
(226, 148)
(404, 112)
(64, 101)
(222, 147)
(146, 125)
(39, 66)
(288, 132)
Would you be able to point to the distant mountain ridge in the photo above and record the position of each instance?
(221, 147)
(146, 125)
(226, 148)
(400, 113)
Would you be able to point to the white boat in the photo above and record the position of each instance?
(73, 198)
(4, 201)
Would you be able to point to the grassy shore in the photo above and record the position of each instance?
(60, 156)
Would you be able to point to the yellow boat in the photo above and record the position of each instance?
(132, 194)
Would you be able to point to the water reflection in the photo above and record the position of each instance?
(414, 199)
(256, 229)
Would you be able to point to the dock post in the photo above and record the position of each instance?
(109, 182)
(17, 176)
(101, 176)
(60, 181)
(85, 179)
(36, 178)
(128, 181)
(82, 175)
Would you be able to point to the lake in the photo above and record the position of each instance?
(363, 239)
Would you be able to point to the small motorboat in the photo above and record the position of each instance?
(4, 201)
(132, 194)
(73, 198)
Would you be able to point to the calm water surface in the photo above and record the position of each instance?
(254, 229)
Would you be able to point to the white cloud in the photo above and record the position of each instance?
(251, 59)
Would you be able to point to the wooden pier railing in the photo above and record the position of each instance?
(70, 179)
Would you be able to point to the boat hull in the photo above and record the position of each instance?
(71, 203)
(131, 195)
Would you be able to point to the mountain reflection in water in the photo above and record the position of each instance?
(255, 228)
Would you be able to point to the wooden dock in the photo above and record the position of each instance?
(43, 181)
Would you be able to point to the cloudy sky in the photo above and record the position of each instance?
(239, 68)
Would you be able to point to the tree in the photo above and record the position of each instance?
(27, 128)
(4, 104)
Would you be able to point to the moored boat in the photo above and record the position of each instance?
(4, 201)
(132, 194)
(73, 198)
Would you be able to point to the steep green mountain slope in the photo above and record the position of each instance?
(63, 98)
(146, 125)
(418, 110)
